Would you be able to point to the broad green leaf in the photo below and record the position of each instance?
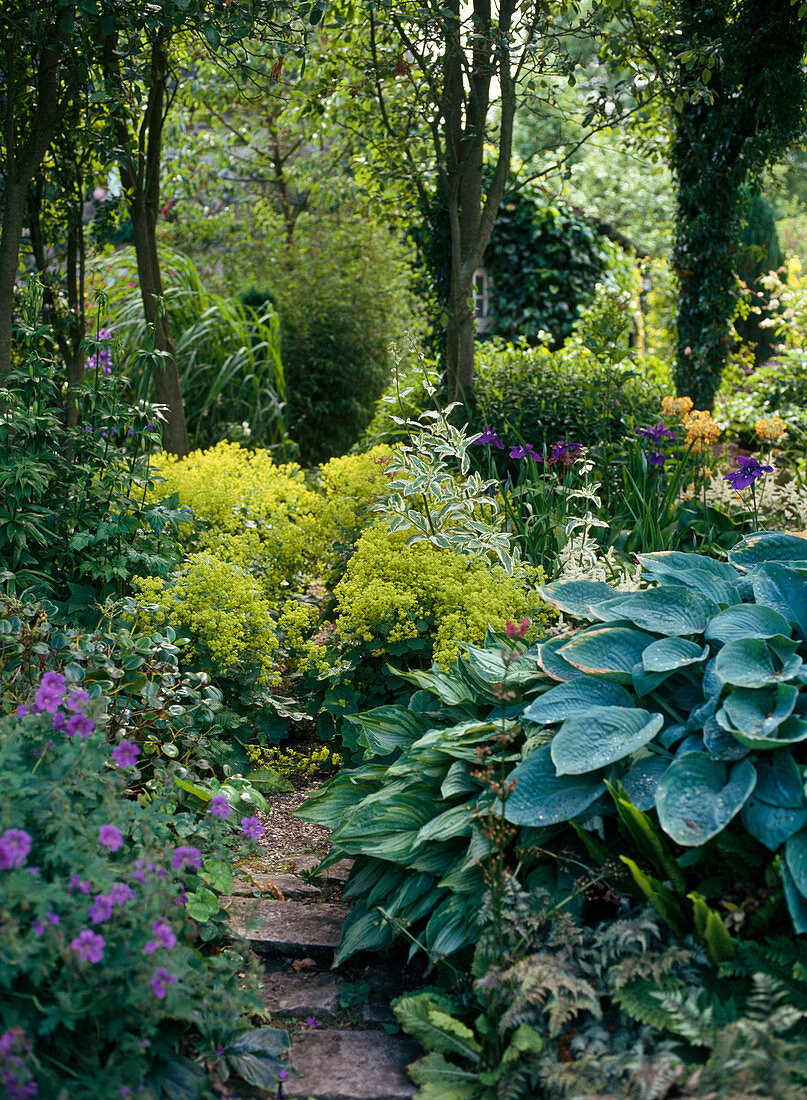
(668, 609)
(424, 1016)
(363, 931)
(451, 927)
(602, 736)
(755, 662)
(642, 779)
(577, 598)
(453, 822)
(714, 579)
(524, 1040)
(576, 697)
(697, 797)
(487, 666)
(720, 945)
(341, 795)
(668, 654)
(267, 1040)
(644, 837)
(542, 797)
(447, 686)
(783, 589)
(772, 825)
(387, 729)
(796, 859)
(386, 828)
(764, 546)
(748, 620)
(759, 711)
(796, 902)
(779, 780)
(607, 650)
(446, 1080)
(553, 663)
(458, 781)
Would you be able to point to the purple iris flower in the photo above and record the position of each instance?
(749, 470)
(655, 458)
(655, 435)
(527, 451)
(490, 438)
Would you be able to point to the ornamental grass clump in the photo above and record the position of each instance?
(106, 902)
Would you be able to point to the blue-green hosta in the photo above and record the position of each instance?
(671, 730)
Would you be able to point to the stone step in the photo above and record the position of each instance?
(290, 886)
(307, 993)
(350, 1065)
(302, 865)
(288, 927)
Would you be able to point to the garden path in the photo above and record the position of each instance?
(346, 1044)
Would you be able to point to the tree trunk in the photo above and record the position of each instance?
(140, 177)
(19, 169)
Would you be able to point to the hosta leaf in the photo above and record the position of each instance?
(553, 663)
(764, 546)
(697, 797)
(487, 666)
(600, 737)
(754, 663)
(772, 825)
(607, 650)
(796, 902)
(447, 686)
(758, 712)
(341, 795)
(267, 1040)
(363, 931)
(748, 620)
(386, 729)
(451, 927)
(668, 609)
(458, 781)
(668, 654)
(720, 743)
(386, 829)
(783, 589)
(542, 797)
(642, 779)
(779, 781)
(796, 859)
(576, 697)
(714, 579)
(453, 822)
(577, 598)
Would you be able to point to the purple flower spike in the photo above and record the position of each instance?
(489, 438)
(749, 470)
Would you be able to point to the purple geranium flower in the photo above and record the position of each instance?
(100, 909)
(160, 980)
(50, 692)
(110, 837)
(15, 844)
(163, 937)
(252, 827)
(89, 946)
(77, 699)
(490, 438)
(525, 451)
(219, 806)
(655, 435)
(186, 856)
(78, 724)
(22, 710)
(120, 894)
(125, 754)
(749, 470)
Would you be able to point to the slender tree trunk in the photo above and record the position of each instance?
(140, 177)
(19, 169)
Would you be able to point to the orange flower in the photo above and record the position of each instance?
(701, 429)
(676, 406)
(771, 430)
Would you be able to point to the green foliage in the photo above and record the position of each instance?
(761, 253)
(546, 396)
(171, 712)
(544, 262)
(72, 506)
(228, 354)
(106, 909)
